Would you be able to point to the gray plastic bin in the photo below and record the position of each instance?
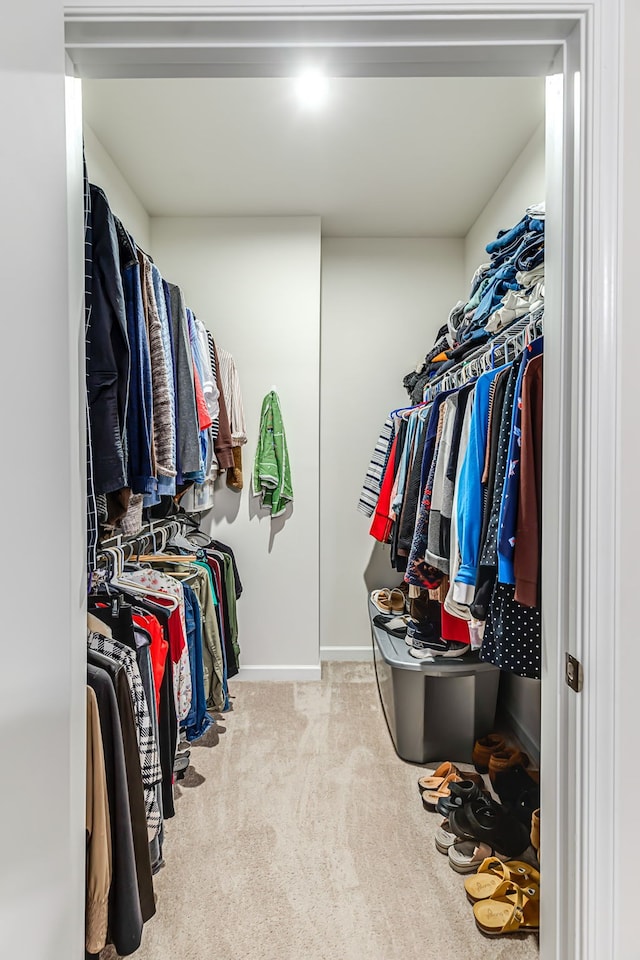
(435, 710)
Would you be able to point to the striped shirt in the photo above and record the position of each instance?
(229, 383)
(147, 745)
(373, 477)
(215, 426)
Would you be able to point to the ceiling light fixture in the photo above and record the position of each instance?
(312, 89)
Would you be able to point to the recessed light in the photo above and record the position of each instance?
(312, 89)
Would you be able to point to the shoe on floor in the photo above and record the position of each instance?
(510, 783)
(535, 832)
(444, 838)
(503, 760)
(471, 787)
(483, 750)
(465, 856)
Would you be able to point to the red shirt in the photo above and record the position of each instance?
(158, 649)
(382, 522)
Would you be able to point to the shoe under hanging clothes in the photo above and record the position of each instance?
(271, 469)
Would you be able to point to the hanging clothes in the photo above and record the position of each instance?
(109, 359)
(98, 828)
(125, 914)
(147, 746)
(173, 616)
(165, 412)
(230, 386)
(529, 524)
(457, 477)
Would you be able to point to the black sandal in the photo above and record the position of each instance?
(459, 794)
(488, 822)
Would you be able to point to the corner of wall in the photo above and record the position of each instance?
(523, 185)
(125, 203)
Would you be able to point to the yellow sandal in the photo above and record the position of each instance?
(510, 910)
(493, 872)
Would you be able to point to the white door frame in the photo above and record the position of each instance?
(580, 43)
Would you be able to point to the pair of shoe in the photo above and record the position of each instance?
(481, 819)
(388, 600)
(508, 767)
(447, 786)
(505, 897)
(492, 755)
(464, 856)
(519, 792)
(426, 643)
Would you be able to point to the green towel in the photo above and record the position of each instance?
(271, 469)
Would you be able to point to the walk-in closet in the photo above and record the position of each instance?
(330, 291)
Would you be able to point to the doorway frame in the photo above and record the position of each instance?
(581, 441)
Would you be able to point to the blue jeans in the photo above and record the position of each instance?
(198, 721)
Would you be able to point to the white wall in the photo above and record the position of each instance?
(382, 303)
(42, 685)
(523, 185)
(255, 282)
(102, 171)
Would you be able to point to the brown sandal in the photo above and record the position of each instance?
(505, 759)
(431, 797)
(484, 748)
(434, 780)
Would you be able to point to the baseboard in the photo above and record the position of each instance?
(280, 672)
(524, 739)
(347, 653)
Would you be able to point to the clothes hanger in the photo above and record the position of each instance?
(114, 568)
(401, 410)
(141, 590)
(180, 541)
(168, 557)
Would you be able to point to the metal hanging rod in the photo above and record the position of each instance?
(175, 524)
(484, 358)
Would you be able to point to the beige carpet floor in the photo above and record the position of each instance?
(300, 835)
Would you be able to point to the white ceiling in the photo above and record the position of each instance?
(384, 157)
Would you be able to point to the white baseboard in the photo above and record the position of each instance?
(529, 744)
(347, 653)
(279, 672)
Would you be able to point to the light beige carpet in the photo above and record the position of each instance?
(300, 835)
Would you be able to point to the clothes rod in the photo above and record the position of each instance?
(499, 341)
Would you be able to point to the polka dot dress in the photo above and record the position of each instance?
(512, 636)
